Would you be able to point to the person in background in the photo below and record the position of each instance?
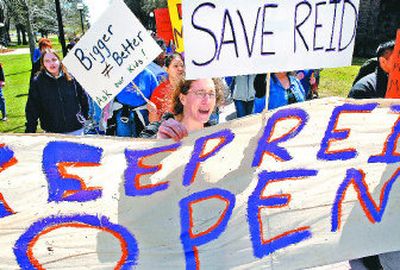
(162, 95)
(243, 94)
(309, 79)
(44, 44)
(157, 67)
(193, 102)
(285, 89)
(130, 105)
(2, 99)
(70, 45)
(56, 99)
(374, 85)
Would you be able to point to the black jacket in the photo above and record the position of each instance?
(56, 103)
(371, 86)
(2, 78)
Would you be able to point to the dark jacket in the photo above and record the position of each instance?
(2, 77)
(56, 103)
(371, 86)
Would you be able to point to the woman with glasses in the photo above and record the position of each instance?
(284, 89)
(56, 99)
(193, 103)
(162, 95)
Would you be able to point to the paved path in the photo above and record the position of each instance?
(17, 51)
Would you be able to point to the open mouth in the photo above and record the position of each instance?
(203, 111)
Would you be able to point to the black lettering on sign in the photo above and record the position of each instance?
(306, 9)
(297, 25)
(264, 32)
(85, 61)
(208, 31)
(353, 7)
(227, 16)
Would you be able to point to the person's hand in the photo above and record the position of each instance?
(172, 129)
(2, 83)
(312, 80)
(300, 76)
(151, 107)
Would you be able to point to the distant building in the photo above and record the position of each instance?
(378, 22)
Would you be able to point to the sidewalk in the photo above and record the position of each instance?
(17, 51)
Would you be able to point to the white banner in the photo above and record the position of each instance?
(306, 185)
(236, 37)
(111, 53)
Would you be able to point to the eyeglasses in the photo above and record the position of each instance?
(51, 60)
(202, 94)
(291, 98)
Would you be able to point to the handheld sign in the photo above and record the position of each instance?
(309, 184)
(236, 37)
(111, 53)
(163, 24)
(175, 14)
(393, 87)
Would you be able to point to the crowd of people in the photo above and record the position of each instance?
(157, 97)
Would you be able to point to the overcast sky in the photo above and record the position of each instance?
(96, 8)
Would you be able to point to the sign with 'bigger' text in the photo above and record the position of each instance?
(111, 54)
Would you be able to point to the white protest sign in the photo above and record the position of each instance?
(306, 185)
(236, 37)
(111, 53)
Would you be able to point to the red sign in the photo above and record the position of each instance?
(393, 87)
(163, 24)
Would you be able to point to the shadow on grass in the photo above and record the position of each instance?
(21, 95)
(18, 73)
(13, 129)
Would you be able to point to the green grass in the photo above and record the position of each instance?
(17, 69)
(53, 39)
(338, 81)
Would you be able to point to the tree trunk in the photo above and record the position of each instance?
(18, 34)
(29, 27)
(24, 41)
(7, 27)
(61, 35)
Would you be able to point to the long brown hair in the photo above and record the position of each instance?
(184, 87)
(62, 67)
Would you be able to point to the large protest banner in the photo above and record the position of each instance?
(235, 37)
(305, 185)
(111, 54)
(175, 14)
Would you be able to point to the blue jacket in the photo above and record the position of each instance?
(278, 96)
(160, 73)
(146, 82)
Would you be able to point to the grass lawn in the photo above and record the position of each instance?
(333, 82)
(17, 69)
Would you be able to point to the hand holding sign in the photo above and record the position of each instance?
(111, 54)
